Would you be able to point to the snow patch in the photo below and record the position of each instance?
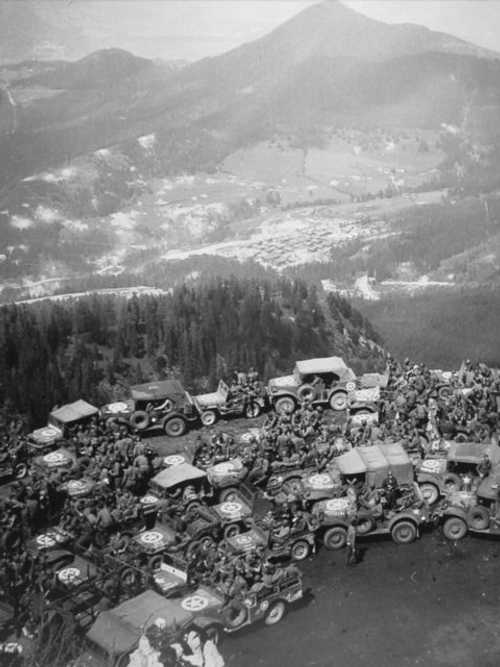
(47, 215)
(19, 222)
(147, 142)
(76, 226)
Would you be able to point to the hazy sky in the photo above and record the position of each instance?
(193, 29)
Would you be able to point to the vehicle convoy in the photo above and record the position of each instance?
(60, 422)
(226, 403)
(450, 469)
(162, 405)
(475, 511)
(116, 633)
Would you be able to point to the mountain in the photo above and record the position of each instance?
(249, 155)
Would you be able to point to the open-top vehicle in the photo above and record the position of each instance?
(325, 380)
(402, 524)
(117, 633)
(59, 422)
(164, 405)
(475, 511)
(225, 403)
(448, 470)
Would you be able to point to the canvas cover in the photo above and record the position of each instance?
(184, 472)
(73, 412)
(351, 463)
(324, 365)
(399, 462)
(151, 391)
(118, 630)
(467, 452)
(376, 463)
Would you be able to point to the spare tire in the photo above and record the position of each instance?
(139, 420)
(128, 577)
(306, 392)
(452, 482)
(478, 518)
(339, 401)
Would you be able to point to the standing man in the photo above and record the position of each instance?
(352, 554)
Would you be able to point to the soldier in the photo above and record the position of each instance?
(351, 554)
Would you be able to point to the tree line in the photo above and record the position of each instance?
(94, 347)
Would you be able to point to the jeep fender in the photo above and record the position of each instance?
(431, 479)
(456, 511)
(174, 413)
(327, 523)
(404, 516)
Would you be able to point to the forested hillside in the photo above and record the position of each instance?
(94, 347)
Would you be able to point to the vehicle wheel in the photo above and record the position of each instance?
(275, 613)
(111, 423)
(207, 541)
(306, 392)
(460, 437)
(444, 392)
(404, 532)
(454, 528)
(452, 482)
(155, 562)
(128, 576)
(194, 504)
(335, 538)
(175, 427)
(252, 410)
(208, 418)
(237, 618)
(285, 404)
(293, 486)
(338, 401)
(364, 525)
(231, 530)
(228, 495)
(478, 518)
(139, 420)
(21, 470)
(363, 412)
(192, 548)
(430, 492)
(300, 550)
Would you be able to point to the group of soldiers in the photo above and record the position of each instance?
(418, 409)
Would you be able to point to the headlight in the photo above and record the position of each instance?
(273, 389)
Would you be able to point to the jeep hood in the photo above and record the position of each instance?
(210, 400)
(283, 381)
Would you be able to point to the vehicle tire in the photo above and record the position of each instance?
(293, 486)
(452, 482)
(363, 412)
(111, 423)
(207, 541)
(155, 562)
(285, 404)
(128, 576)
(252, 410)
(238, 619)
(275, 613)
(339, 401)
(404, 532)
(21, 470)
(231, 530)
(175, 427)
(139, 420)
(364, 525)
(455, 528)
(192, 548)
(300, 550)
(461, 437)
(306, 392)
(193, 504)
(478, 518)
(430, 492)
(444, 392)
(208, 417)
(335, 538)
(228, 495)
